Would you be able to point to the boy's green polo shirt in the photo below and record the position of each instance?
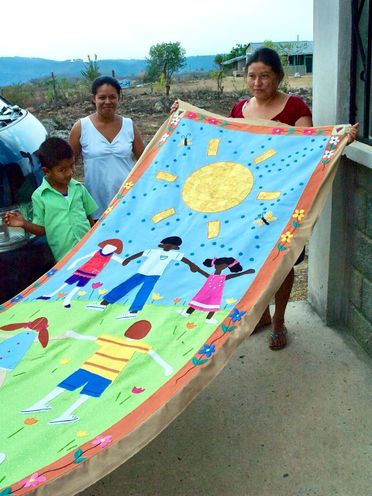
(63, 217)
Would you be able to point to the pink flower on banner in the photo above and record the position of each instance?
(211, 120)
(35, 480)
(96, 285)
(309, 131)
(102, 441)
(278, 130)
(191, 115)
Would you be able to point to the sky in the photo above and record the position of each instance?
(119, 29)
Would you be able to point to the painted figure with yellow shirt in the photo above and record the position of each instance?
(101, 369)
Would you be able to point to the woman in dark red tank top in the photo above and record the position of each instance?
(264, 73)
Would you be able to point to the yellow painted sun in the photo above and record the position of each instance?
(217, 187)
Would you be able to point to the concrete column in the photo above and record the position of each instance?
(331, 78)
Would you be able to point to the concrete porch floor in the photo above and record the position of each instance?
(294, 422)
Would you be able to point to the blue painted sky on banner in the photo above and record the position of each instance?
(125, 30)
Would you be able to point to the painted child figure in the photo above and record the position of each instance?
(97, 261)
(13, 349)
(209, 297)
(148, 274)
(100, 370)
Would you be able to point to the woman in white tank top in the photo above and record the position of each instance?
(109, 144)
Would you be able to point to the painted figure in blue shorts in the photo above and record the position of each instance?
(148, 274)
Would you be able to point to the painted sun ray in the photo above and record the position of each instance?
(163, 215)
(268, 195)
(213, 145)
(214, 227)
(264, 156)
(166, 176)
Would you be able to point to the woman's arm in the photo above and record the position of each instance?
(74, 139)
(138, 145)
(305, 121)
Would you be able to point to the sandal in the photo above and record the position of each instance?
(278, 339)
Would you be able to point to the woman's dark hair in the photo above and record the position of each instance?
(269, 57)
(235, 265)
(52, 151)
(100, 81)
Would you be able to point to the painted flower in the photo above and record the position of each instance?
(334, 140)
(299, 214)
(157, 296)
(191, 325)
(164, 137)
(287, 237)
(211, 120)
(236, 316)
(35, 480)
(278, 130)
(137, 390)
(309, 131)
(128, 185)
(64, 361)
(82, 434)
(230, 301)
(328, 154)
(82, 293)
(175, 121)
(51, 272)
(96, 285)
(17, 298)
(176, 300)
(207, 350)
(191, 115)
(61, 295)
(102, 441)
(30, 421)
(102, 291)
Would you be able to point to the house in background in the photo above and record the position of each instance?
(299, 54)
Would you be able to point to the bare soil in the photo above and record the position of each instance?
(149, 108)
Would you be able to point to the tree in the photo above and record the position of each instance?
(236, 51)
(91, 70)
(218, 60)
(164, 60)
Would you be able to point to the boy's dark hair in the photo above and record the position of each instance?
(52, 151)
(100, 81)
(172, 240)
(269, 57)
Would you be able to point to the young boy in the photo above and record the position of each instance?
(62, 207)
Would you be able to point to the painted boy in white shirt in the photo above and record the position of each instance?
(148, 274)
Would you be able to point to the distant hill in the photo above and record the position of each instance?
(15, 70)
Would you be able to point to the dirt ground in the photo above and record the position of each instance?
(149, 108)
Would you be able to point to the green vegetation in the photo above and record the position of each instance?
(91, 70)
(164, 60)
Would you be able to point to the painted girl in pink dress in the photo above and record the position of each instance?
(209, 297)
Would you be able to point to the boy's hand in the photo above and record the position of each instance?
(14, 219)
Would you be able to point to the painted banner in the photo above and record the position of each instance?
(101, 353)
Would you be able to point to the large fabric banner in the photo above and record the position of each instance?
(106, 349)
